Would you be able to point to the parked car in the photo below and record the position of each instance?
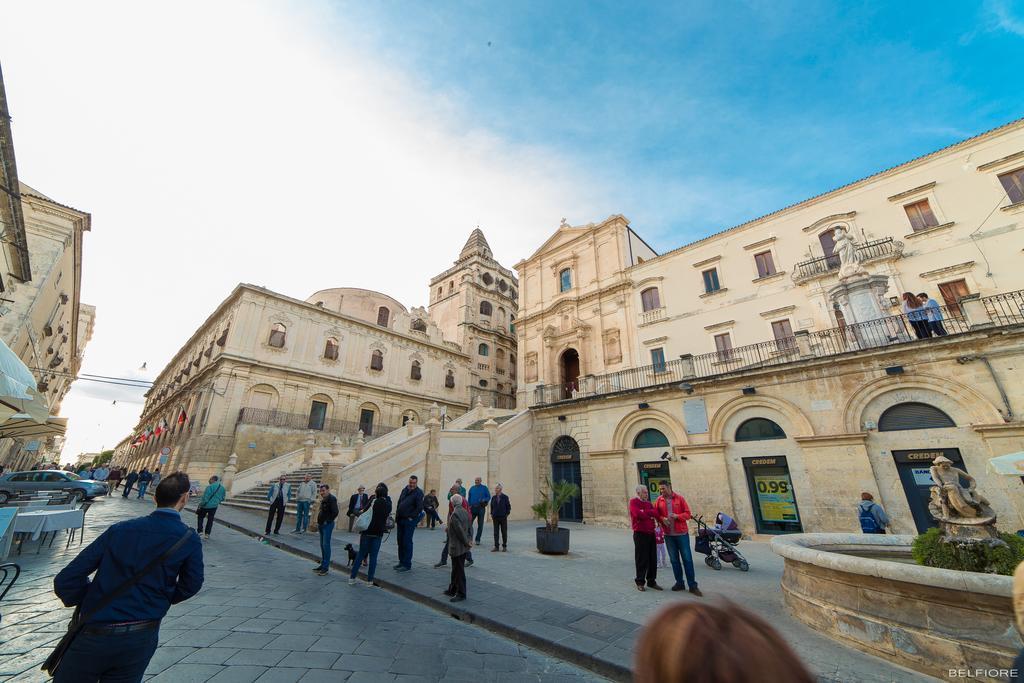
(14, 484)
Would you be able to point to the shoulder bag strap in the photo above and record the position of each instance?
(127, 585)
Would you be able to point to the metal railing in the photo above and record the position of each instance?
(868, 251)
(276, 418)
(1004, 309)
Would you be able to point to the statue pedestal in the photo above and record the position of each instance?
(861, 298)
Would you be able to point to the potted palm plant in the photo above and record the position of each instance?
(550, 538)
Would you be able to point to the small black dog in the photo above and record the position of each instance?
(351, 553)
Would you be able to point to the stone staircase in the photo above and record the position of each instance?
(256, 498)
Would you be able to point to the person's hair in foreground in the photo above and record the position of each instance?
(701, 643)
(170, 489)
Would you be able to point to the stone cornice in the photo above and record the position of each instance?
(697, 448)
(598, 455)
(910, 193)
(525, 319)
(1011, 429)
(821, 222)
(833, 439)
(1010, 159)
(958, 269)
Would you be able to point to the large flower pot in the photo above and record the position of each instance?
(553, 542)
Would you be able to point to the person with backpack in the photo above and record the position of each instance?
(873, 519)
(370, 535)
(207, 508)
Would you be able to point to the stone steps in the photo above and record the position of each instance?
(256, 497)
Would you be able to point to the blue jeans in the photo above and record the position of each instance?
(142, 488)
(85, 661)
(325, 545)
(479, 511)
(302, 515)
(676, 546)
(369, 546)
(405, 529)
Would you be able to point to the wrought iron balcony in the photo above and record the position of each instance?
(878, 250)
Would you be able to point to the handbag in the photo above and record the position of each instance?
(363, 520)
(78, 620)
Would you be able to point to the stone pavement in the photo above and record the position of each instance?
(263, 615)
(585, 605)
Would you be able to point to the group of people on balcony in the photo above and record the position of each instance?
(924, 314)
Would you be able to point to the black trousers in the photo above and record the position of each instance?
(458, 583)
(207, 514)
(444, 554)
(921, 329)
(85, 661)
(276, 507)
(500, 524)
(645, 552)
(937, 328)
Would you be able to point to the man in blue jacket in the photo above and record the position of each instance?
(407, 516)
(145, 476)
(118, 640)
(479, 497)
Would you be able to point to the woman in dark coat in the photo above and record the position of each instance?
(370, 538)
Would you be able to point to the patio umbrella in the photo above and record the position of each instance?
(18, 389)
(23, 426)
(1011, 464)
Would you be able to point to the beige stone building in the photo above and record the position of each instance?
(475, 303)
(727, 366)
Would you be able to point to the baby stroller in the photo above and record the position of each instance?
(719, 542)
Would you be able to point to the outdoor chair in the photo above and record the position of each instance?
(8, 570)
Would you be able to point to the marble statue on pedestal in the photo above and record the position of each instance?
(962, 512)
(849, 257)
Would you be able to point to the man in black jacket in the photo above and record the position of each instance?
(407, 516)
(325, 525)
(501, 508)
(355, 506)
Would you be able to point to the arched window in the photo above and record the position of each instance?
(377, 361)
(440, 292)
(449, 380)
(277, 336)
(383, 315)
(416, 373)
(419, 326)
(499, 354)
(512, 324)
(904, 416)
(650, 299)
(565, 280)
(485, 308)
(488, 280)
(759, 429)
(650, 438)
(483, 350)
(451, 286)
(483, 383)
(331, 349)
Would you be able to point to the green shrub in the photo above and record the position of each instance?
(931, 551)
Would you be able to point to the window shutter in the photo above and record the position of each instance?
(906, 416)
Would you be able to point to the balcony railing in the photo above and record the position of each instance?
(276, 418)
(1001, 309)
(869, 251)
(652, 316)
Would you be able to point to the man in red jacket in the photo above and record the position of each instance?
(641, 515)
(673, 514)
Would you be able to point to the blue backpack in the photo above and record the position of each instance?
(867, 521)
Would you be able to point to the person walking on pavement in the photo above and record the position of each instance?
(460, 542)
(156, 478)
(370, 538)
(102, 474)
(325, 526)
(278, 495)
(142, 566)
(303, 501)
(479, 497)
(212, 497)
(873, 519)
(145, 477)
(501, 508)
(407, 516)
(114, 479)
(430, 504)
(642, 517)
(356, 504)
(129, 482)
(673, 514)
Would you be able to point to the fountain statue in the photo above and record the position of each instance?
(963, 513)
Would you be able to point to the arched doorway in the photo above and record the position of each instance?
(565, 466)
(569, 372)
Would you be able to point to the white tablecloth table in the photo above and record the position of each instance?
(38, 522)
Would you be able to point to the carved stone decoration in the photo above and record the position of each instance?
(849, 257)
(963, 513)
(531, 366)
(612, 347)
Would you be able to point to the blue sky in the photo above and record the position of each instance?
(702, 115)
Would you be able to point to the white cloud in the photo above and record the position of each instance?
(1004, 18)
(224, 142)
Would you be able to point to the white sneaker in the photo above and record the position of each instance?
(352, 582)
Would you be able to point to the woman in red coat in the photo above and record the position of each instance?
(642, 516)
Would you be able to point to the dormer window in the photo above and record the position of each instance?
(383, 316)
(565, 280)
(277, 336)
(377, 361)
(416, 372)
(331, 349)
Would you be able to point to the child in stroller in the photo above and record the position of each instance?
(719, 542)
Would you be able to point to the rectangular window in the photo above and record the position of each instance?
(317, 415)
(1013, 183)
(650, 299)
(765, 264)
(711, 283)
(920, 215)
(366, 421)
(723, 345)
(783, 332)
(658, 359)
(952, 292)
(565, 280)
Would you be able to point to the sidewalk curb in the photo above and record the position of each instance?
(593, 662)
